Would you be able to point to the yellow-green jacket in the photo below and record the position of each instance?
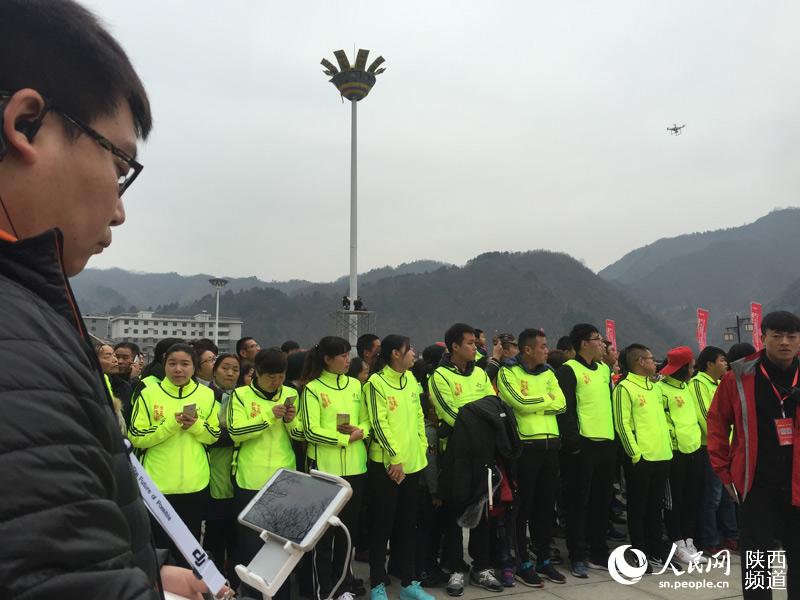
(640, 420)
(534, 396)
(679, 407)
(703, 388)
(220, 455)
(175, 458)
(398, 425)
(263, 440)
(592, 400)
(322, 399)
(451, 389)
(107, 381)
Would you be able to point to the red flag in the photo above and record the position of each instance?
(755, 320)
(702, 328)
(611, 332)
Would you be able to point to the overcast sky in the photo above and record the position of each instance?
(497, 126)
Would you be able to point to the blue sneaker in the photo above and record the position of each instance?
(413, 592)
(379, 593)
(579, 569)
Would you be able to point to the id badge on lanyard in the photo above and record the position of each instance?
(784, 427)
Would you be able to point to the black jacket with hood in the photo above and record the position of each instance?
(485, 433)
(72, 523)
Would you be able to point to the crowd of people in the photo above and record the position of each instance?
(511, 443)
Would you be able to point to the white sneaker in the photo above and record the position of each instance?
(346, 596)
(697, 556)
(682, 554)
(455, 586)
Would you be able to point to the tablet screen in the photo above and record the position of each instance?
(292, 505)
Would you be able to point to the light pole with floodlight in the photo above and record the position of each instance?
(354, 82)
(218, 283)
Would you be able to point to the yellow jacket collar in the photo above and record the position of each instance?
(179, 391)
(393, 378)
(640, 380)
(333, 380)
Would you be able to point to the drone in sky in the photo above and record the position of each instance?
(676, 129)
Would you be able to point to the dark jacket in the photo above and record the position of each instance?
(122, 389)
(485, 432)
(72, 523)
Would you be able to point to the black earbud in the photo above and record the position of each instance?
(29, 128)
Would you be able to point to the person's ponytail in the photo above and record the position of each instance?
(389, 344)
(314, 364)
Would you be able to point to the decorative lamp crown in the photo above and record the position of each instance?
(354, 82)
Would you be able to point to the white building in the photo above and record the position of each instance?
(146, 328)
(97, 325)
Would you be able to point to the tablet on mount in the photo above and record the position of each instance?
(291, 513)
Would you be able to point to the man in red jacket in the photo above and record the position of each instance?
(760, 468)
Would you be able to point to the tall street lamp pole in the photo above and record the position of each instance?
(218, 284)
(354, 82)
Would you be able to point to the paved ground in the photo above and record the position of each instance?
(600, 586)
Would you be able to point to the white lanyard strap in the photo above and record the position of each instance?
(176, 529)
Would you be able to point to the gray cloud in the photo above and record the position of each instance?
(513, 125)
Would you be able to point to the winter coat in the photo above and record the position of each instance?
(71, 520)
(485, 432)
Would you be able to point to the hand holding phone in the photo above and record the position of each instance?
(343, 423)
(291, 410)
(188, 416)
(136, 365)
(279, 410)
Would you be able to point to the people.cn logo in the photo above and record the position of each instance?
(621, 571)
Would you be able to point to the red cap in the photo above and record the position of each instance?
(677, 358)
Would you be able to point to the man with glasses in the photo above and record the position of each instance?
(247, 348)
(207, 352)
(759, 467)
(588, 452)
(641, 425)
(71, 111)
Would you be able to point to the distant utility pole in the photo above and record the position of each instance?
(354, 82)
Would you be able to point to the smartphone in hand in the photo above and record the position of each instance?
(342, 419)
(190, 410)
(290, 401)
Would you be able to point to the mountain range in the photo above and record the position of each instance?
(721, 271)
(652, 292)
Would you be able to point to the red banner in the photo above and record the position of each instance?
(755, 319)
(702, 328)
(611, 332)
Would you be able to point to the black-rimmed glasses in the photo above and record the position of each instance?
(129, 167)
